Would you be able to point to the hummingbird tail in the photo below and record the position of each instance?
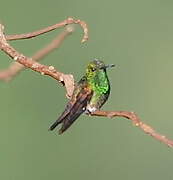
(53, 126)
(60, 119)
(67, 120)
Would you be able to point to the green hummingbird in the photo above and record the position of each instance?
(90, 93)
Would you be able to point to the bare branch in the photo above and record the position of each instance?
(137, 122)
(64, 79)
(15, 67)
(68, 21)
(54, 44)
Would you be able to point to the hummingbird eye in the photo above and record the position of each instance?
(93, 69)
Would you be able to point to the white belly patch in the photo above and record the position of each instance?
(91, 109)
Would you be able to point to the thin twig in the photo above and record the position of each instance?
(56, 43)
(137, 122)
(69, 20)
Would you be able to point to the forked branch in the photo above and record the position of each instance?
(31, 63)
(15, 68)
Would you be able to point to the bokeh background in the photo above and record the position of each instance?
(135, 35)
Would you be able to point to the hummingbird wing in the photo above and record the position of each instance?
(76, 110)
(75, 107)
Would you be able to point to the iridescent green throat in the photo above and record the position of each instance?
(99, 82)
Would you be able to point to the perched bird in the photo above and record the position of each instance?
(90, 93)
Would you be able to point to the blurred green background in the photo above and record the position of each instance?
(135, 35)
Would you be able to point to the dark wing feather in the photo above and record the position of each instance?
(74, 108)
(77, 109)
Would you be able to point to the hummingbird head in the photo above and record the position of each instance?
(97, 77)
(96, 67)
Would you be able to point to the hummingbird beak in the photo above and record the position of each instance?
(109, 66)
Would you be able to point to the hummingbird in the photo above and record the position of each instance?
(90, 93)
